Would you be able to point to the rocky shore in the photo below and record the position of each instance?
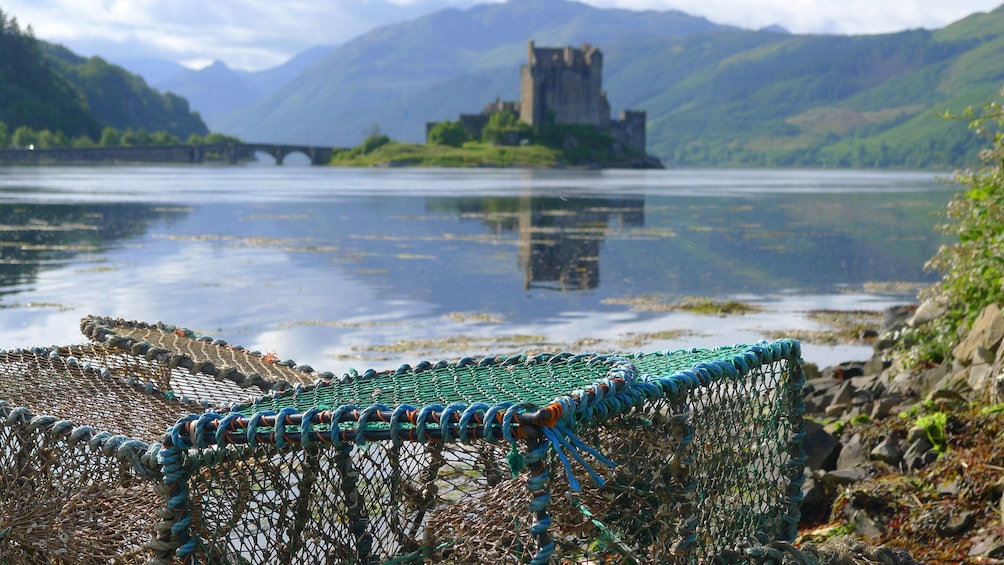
(910, 458)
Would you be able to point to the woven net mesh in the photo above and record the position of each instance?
(698, 469)
(156, 444)
(76, 493)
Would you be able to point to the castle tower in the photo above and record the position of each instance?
(563, 86)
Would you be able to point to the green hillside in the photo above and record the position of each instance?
(121, 99)
(762, 99)
(47, 87)
(714, 95)
(31, 93)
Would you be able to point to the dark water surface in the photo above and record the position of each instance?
(371, 268)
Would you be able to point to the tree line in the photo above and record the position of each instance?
(25, 137)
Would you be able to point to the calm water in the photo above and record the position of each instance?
(347, 268)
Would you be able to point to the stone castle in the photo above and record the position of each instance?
(564, 86)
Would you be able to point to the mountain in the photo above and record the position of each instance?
(154, 71)
(715, 95)
(120, 99)
(400, 68)
(217, 90)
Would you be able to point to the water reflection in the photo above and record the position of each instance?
(376, 268)
(559, 239)
(35, 237)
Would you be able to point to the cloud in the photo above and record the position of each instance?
(255, 34)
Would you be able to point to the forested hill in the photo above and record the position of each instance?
(47, 87)
(754, 98)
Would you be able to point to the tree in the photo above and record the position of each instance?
(448, 133)
(135, 137)
(24, 137)
(372, 142)
(110, 137)
(4, 134)
(504, 127)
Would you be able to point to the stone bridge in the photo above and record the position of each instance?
(233, 154)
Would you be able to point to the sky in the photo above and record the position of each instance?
(259, 34)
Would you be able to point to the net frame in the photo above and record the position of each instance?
(78, 475)
(542, 440)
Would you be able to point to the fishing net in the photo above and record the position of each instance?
(80, 487)
(660, 457)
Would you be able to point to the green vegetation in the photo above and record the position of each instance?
(505, 142)
(121, 99)
(50, 97)
(934, 426)
(32, 94)
(972, 268)
(471, 154)
(25, 136)
(504, 128)
(448, 133)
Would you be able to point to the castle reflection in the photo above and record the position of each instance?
(559, 238)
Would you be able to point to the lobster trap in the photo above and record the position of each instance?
(658, 457)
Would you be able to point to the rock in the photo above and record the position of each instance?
(916, 433)
(853, 454)
(845, 394)
(981, 379)
(919, 455)
(865, 526)
(876, 364)
(948, 400)
(815, 503)
(950, 489)
(957, 524)
(821, 448)
(987, 544)
(928, 310)
(843, 477)
(997, 490)
(887, 451)
(836, 410)
(883, 408)
(895, 317)
(980, 344)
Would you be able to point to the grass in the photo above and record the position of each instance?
(472, 154)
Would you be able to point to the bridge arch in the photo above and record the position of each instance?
(316, 155)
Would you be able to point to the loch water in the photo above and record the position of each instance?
(343, 268)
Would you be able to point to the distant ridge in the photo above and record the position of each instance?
(714, 95)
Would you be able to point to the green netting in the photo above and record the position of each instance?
(662, 457)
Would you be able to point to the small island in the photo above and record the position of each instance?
(562, 120)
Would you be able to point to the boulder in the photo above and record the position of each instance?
(844, 477)
(928, 310)
(887, 451)
(981, 378)
(815, 503)
(987, 544)
(957, 523)
(853, 454)
(919, 455)
(980, 344)
(821, 448)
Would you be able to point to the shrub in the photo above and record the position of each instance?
(452, 134)
(503, 127)
(972, 267)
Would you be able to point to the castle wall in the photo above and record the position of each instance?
(630, 130)
(563, 86)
